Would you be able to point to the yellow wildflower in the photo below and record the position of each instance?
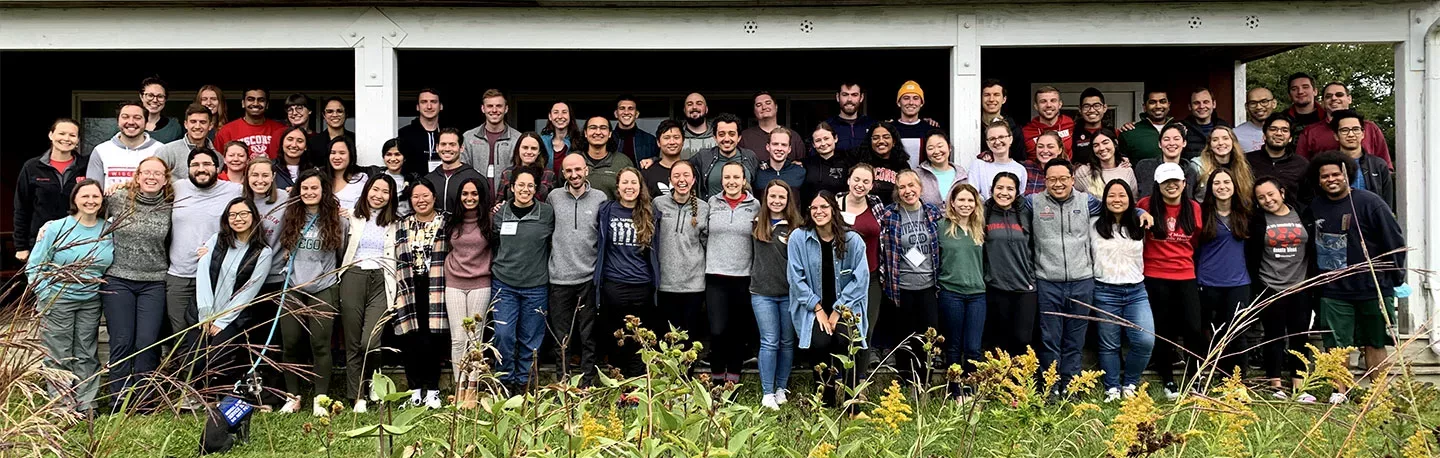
(1083, 383)
(822, 450)
(893, 410)
(1229, 412)
(1134, 414)
(1083, 407)
(1052, 377)
(592, 429)
(1418, 445)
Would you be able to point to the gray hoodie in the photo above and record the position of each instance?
(577, 234)
(313, 263)
(682, 245)
(728, 250)
(1062, 236)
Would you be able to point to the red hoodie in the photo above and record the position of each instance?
(1064, 125)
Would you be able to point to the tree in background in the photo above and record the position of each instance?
(1368, 69)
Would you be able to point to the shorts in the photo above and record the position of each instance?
(1357, 323)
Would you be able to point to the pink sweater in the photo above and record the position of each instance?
(467, 266)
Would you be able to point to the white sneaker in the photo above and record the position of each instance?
(1128, 391)
(1305, 398)
(1112, 395)
(191, 403)
(292, 405)
(360, 406)
(1171, 393)
(432, 399)
(780, 396)
(769, 402)
(415, 398)
(1338, 398)
(1281, 395)
(319, 410)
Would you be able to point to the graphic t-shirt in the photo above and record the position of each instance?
(915, 243)
(261, 139)
(624, 261)
(1282, 263)
(1174, 257)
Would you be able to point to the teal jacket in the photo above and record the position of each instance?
(68, 261)
(803, 269)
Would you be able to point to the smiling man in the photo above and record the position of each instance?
(1320, 137)
(199, 202)
(198, 124)
(254, 128)
(1201, 122)
(629, 139)
(709, 163)
(604, 165)
(489, 146)
(114, 162)
(699, 135)
(1047, 105)
(1142, 140)
(755, 138)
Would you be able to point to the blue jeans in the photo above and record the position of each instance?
(963, 319)
(1131, 303)
(1063, 337)
(519, 319)
(777, 340)
(134, 313)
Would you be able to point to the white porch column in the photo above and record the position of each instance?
(1417, 141)
(374, 38)
(965, 92)
(1238, 93)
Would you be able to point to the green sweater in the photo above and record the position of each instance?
(962, 262)
(1142, 142)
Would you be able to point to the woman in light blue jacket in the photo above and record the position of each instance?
(829, 277)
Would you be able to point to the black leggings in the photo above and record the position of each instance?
(1179, 302)
(424, 351)
(732, 322)
(918, 309)
(823, 348)
(1220, 304)
(1010, 323)
(616, 301)
(1285, 319)
(685, 311)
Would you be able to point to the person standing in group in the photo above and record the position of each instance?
(1220, 270)
(445, 179)
(709, 163)
(45, 182)
(1010, 295)
(559, 133)
(418, 139)
(234, 159)
(367, 286)
(1223, 152)
(824, 170)
(572, 268)
(769, 290)
(253, 128)
(111, 163)
(1172, 150)
(629, 139)
(778, 164)
(65, 269)
(962, 278)
(727, 271)
(212, 98)
(346, 177)
(292, 158)
(657, 173)
(488, 147)
(522, 230)
(982, 172)
(133, 294)
(231, 273)
(528, 154)
(262, 186)
(1120, 291)
(333, 115)
(909, 238)
(421, 245)
(685, 224)
(888, 156)
(199, 203)
(860, 211)
(312, 236)
(828, 276)
(604, 165)
(938, 173)
(395, 167)
(627, 266)
(1280, 256)
(199, 129)
(1048, 146)
(1170, 271)
(467, 281)
(1102, 167)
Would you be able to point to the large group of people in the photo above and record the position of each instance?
(762, 240)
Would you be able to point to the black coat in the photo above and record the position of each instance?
(42, 194)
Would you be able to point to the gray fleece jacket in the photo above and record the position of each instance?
(728, 250)
(682, 246)
(1062, 236)
(577, 235)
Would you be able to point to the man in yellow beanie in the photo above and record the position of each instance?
(912, 128)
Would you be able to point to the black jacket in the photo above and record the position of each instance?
(43, 194)
(1289, 169)
(1255, 247)
(1195, 138)
(416, 144)
(1379, 179)
(449, 186)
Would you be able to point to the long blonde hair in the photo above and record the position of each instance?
(1239, 167)
(974, 225)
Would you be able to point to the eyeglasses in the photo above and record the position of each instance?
(1256, 103)
(244, 214)
(1278, 130)
(1357, 130)
(1056, 180)
(152, 173)
(153, 96)
(1092, 107)
(296, 108)
(1002, 137)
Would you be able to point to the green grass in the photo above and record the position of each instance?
(997, 431)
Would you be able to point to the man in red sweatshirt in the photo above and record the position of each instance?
(1047, 103)
(254, 129)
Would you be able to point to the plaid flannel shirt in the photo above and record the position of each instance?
(407, 316)
(891, 249)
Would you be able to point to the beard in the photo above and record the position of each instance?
(695, 121)
(209, 181)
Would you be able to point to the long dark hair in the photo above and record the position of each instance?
(898, 155)
(482, 210)
(1239, 219)
(1187, 217)
(837, 225)
(351, 168)
(572, 131)
(307, 158)
(1126, 220)
(227, 235)
(332, 236)
(540, 160)
(386, 214)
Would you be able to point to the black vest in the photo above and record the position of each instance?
(247, 266)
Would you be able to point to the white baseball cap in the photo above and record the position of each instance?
(1168, 171)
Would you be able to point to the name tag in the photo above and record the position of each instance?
(509, 227)
(915, 257)
(490, 171)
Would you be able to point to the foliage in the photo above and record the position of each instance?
(1368, 70)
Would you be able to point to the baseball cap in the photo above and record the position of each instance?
(1168, 171)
